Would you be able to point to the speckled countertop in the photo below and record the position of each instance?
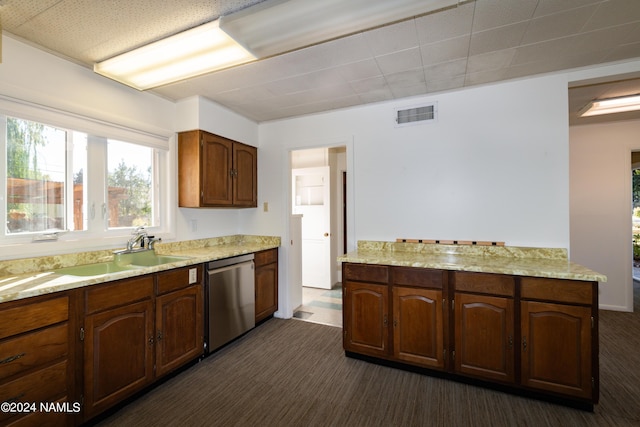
(519, 261)
(28, 277)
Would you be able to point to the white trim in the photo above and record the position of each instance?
(37, 112)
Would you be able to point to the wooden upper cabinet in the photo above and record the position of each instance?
(214, 171)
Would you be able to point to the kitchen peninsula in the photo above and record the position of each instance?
(524, 320)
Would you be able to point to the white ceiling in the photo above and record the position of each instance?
(474, 43)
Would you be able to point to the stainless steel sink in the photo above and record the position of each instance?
(121, 262)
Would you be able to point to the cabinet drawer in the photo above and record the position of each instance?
(266, 257)
(422, 277)
(177, 279)
(570, 291)
(484, 283)
(118, 293)
(366, 273)
(45, 385)
(32, 350)
(24, 318)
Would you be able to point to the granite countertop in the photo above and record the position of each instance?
(519, 261)
(29, 277)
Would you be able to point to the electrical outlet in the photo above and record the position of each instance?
(193, 275)
(194, 225)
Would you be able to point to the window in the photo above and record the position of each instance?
(130, 190)
(78, 185)
(38, 191)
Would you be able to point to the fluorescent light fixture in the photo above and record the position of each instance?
(191, 53)
(611, 105)
(277, 26)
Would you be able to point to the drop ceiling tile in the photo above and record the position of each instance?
(445, 84)
(368, 85)
(446, 50)
(392, 38)
(379, 95)
(408, 91)
(496, 13)
(558, 25)
(490, 61)
(549, 7)
(497, 38)
(399, 61)
(614, 12)
(483, 77)
(410, 78)
(543, 51)
(623, 52)
(444, 25)
(446, 70)
(603, 39)
(359, 70)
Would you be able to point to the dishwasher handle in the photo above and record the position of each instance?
(230, 267)
(214, 265)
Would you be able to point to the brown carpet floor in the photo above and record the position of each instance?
(294, 373)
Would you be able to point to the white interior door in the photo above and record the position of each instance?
(311, 198)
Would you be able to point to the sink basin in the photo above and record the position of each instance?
(95, 269)
(145, 259)
(121, 262)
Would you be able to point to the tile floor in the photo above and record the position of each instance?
(321, 306)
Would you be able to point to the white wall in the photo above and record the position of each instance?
(493, 167)
(600, 176)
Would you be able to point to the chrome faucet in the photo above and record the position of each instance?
(138, 236)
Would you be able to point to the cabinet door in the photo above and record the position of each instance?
(365, 318)
(217, 155)
(417, 326)
(245, 175)
(556, 348)
(266, 291)
(484, 328)
(118, 354)
(179, 328)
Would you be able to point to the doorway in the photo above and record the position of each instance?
(318, 194)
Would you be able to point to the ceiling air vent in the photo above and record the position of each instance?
(415, 115)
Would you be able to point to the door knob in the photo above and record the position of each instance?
(326, 234)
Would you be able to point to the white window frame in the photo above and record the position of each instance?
(97, 235)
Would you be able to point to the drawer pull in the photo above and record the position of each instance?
(12, 358)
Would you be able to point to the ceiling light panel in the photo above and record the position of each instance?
(188, 54)
(611, 105)
(277, 26)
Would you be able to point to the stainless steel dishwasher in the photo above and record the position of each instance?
(230, 300)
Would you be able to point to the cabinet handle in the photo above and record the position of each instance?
(395, 322)
(11, 358)
(385, 321)
(524, 343)
(159, 335)
(510, 342)
(151, 340)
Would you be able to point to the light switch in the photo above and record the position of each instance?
(265, 206)
(193, 275)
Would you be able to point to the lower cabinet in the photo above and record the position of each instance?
(559, 344)
(266, 283)
(536, 336)
(37, 342)
(484, 326)
(136, 330)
